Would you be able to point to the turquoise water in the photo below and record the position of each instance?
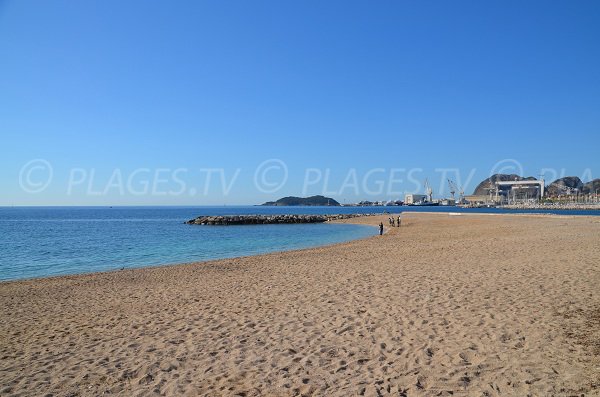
(41, 242)
(50, 241)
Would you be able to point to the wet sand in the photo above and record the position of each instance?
(469, 305)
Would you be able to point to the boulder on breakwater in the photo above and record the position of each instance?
(268, 219)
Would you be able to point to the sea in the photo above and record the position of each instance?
(52, 241)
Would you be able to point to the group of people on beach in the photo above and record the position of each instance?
(393, 223)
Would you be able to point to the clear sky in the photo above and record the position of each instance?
(110, 97)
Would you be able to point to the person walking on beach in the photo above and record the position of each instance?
(380, 228)
(398, 220)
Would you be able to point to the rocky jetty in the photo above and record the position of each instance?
(268, 219)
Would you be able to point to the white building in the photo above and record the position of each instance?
(414, 198)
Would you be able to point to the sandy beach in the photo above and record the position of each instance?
(469, 305)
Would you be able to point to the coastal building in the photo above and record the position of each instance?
(414, 198)
(477, 199)
(523, 190)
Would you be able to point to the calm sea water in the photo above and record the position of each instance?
(49, 241)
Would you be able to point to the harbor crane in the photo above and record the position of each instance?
(428, 191)
(455, 189)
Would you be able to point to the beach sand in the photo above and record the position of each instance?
(469, 305)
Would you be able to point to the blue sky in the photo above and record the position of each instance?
(100, 89)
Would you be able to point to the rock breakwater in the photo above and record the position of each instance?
(268, 219)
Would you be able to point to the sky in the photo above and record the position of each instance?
(211, 103)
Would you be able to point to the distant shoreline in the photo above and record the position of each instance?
(132, 206)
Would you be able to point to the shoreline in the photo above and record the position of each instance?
(435, 306)
(192, 263)
(353, 220)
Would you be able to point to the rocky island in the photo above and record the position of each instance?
(309, 201)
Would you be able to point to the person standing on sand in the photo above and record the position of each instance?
(380, 228)
(398, 220)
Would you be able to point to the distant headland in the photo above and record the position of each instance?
(305, 201)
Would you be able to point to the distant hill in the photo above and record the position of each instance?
(484, 186)
(565, 185)
(591, 187)
(295, 201)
